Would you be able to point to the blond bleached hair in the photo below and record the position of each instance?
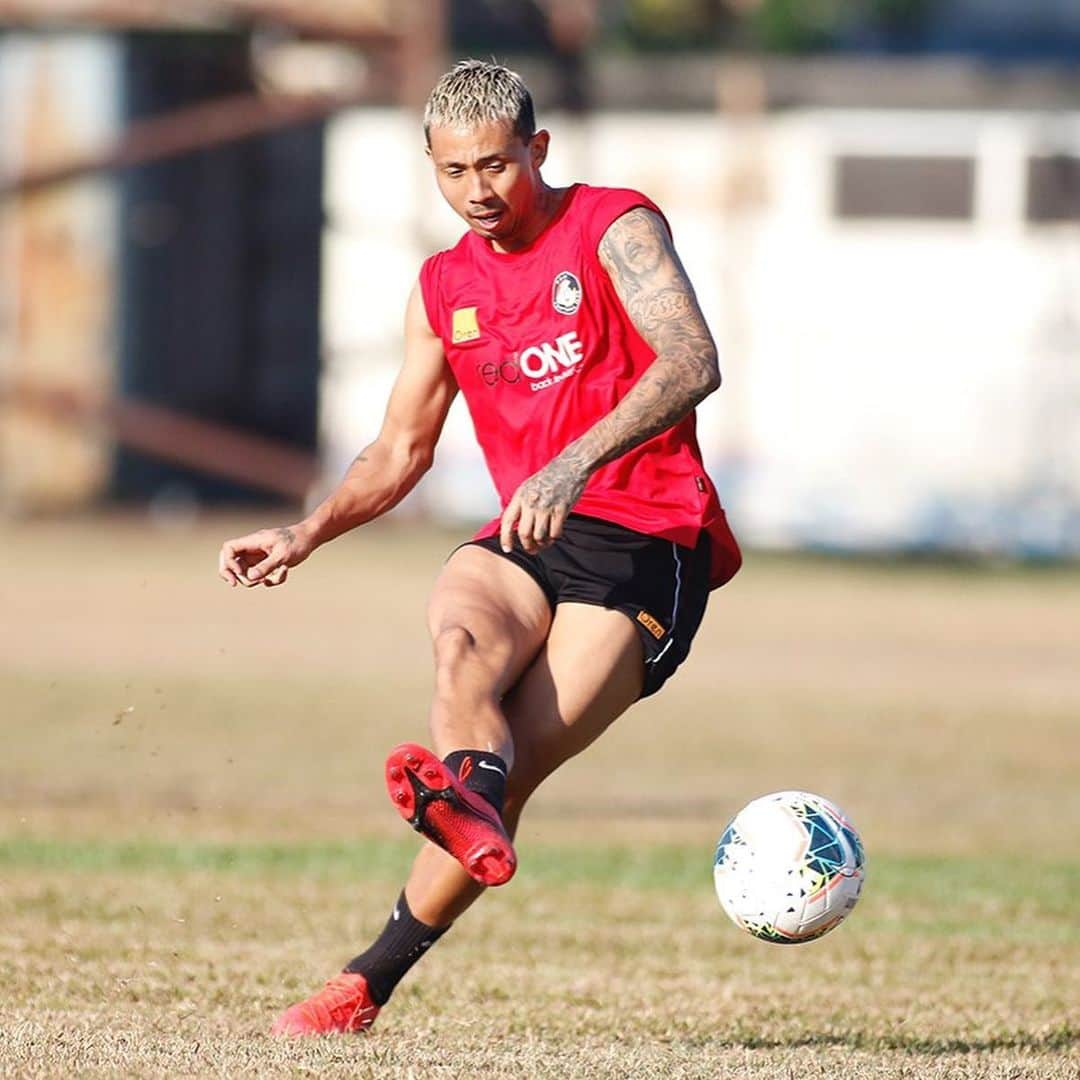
(477, 92)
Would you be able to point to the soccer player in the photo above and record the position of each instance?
(566, 319)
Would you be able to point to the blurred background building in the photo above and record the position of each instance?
(211, 214)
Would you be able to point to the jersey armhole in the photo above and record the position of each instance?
(429, 293)
(614, 206)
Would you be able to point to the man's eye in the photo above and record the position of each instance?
(454, 173)
(496, 166)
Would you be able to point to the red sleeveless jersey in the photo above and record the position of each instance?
(542, 348)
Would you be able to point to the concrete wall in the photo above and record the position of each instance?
(904, 381)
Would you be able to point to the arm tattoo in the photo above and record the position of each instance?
(360, 459)
(638, 255)
(650, 281)
(559, 483)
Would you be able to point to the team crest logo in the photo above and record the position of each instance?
(565, 293)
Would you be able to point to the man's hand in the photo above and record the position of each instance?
(539, 508)
(263, 557)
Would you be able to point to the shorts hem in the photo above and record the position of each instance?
(489, 543)
(652, 679)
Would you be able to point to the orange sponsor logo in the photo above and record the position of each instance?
(465, 326)
(651, 624)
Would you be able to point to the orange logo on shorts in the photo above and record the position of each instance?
(651, 624)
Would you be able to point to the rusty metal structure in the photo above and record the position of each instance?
(391, 49)
(401, 41)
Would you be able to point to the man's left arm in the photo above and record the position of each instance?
(637, 252)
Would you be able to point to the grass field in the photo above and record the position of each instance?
(193, 832)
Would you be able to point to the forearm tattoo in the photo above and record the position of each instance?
(559, 483)
(650, 281)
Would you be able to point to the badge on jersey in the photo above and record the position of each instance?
(464, 327)
(565, 293)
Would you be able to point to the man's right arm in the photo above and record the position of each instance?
(381, 475)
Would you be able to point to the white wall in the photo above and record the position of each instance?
(886, 383)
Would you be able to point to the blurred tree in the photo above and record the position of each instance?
(571, 26)
(1005, 28)
(813, 25)
(797, 25)
(484, 27)
(560, 29)
(770, 25)
(676, 24)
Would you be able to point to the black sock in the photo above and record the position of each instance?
(480, 771)
(403, 941)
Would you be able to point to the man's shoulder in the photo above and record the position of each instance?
(601, 207)
(453, 253)
(604, 193)
(442, 271)
(596, 197)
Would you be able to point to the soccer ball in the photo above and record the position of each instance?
(789, 867)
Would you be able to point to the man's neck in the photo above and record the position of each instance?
(548, 201)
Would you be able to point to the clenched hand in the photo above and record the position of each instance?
(263, 557)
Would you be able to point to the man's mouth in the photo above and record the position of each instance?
(489, 219)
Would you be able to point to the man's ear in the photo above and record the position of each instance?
(538, 148)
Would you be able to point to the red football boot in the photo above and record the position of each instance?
(343, 1004)
(434, 802)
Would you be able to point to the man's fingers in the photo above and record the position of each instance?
(558, 520)
(273, 561)
(540, 531)
(230, 566)
(276, 577)
(260, 558)
(526, 524)
(224, 571)
(536, 527)
(509, 520)
(543, 536)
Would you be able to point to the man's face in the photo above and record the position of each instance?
(490, 176)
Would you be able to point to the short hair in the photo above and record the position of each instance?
(476, 92)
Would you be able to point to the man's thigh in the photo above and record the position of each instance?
(501, 607)
(589, 672)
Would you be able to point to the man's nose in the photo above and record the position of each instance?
(479, 189)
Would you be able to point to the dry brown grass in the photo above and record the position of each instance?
(144, 700)
(156, 973)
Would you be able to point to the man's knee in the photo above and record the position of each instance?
(460, 668)
(452, 644)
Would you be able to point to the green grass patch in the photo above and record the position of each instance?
(931, 895)
(370, 857)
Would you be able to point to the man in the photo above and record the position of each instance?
(565, 318)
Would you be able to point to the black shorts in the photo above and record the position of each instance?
(662, 587)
